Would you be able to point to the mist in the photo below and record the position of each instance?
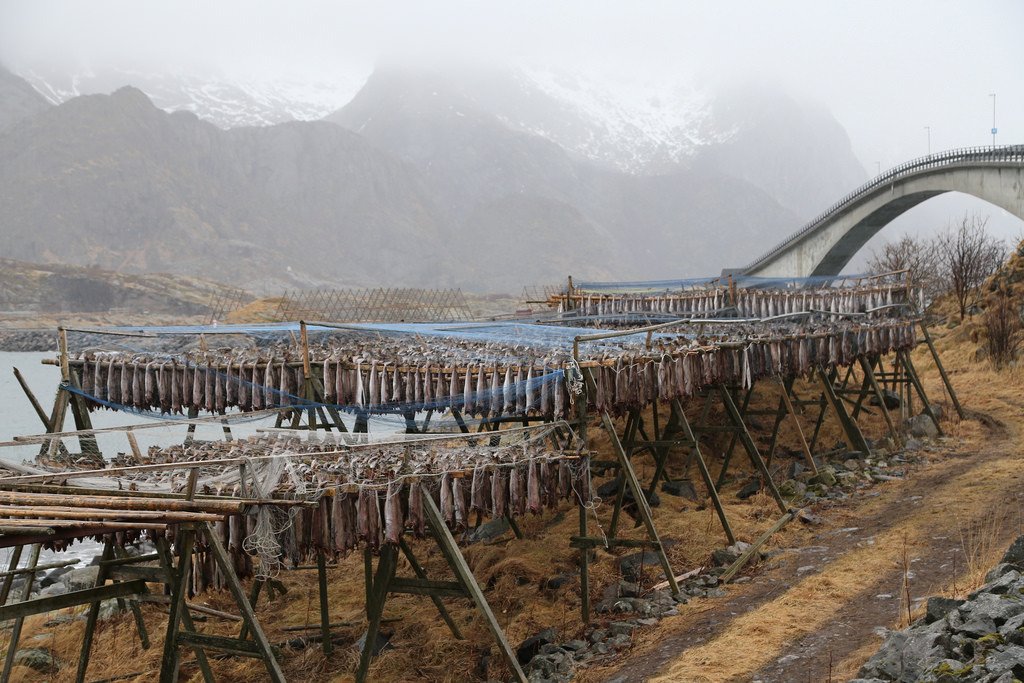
(885, 70)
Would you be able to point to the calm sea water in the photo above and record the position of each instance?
(18, 418)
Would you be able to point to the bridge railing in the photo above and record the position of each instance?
(949, 158)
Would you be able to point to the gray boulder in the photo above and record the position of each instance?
(37, 659)
(1008, 658)
(921, 426)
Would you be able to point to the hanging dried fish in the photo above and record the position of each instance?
(459, 499)
(447, 504)
(394, 524)
(499, 493)
(416, 522)
(533, 486)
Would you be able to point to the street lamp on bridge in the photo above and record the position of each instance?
(994, 129)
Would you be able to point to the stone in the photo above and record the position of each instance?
(1000, 579)
(557, 581)
(80, 579)
(1015, 553)
(53, 576)
(619, 628)
(908, 655)
(622, 589)
(610, 488)
(529, 648)
(749, 489)
(992, 607)
(382, 642)
(939, 607)
(912, 445)
(575, 645)
(977, 625)
(892, 400)
(597, 635)
(1010, 658)
(825, 477)
(795, 469)
(630, 565)
(724, 557)
(809, 517)
(683, 488)
(921, 426)
(619, 641)
(852, 464)
(37, 659)
(791, 488)
(488, 531)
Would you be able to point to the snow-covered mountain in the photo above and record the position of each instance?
(225, 102)
(637, 125)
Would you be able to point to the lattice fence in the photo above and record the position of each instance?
(374, 305)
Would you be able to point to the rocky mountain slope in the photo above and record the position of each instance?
(485, 180)
(18, 100)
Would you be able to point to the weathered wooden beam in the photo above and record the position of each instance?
(81, 597)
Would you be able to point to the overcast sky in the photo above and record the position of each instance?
(886, 69)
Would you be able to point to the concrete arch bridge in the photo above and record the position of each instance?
(826, 244)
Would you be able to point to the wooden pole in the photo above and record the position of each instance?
(704, 472)
(742, 560)
(748, 444)
(12, 646)
(808, 456)
(325, 614)
(94, 610)
(375, 607)
(235, 587)
(179, 588)
(865, 364)
(458, 563)
(5, 588)
(942, 371)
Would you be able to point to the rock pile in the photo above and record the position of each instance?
(977, 639)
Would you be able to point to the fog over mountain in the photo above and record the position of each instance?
(464, 146)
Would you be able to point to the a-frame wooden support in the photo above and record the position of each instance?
(942, 371)
(383, 581)
(179, 632)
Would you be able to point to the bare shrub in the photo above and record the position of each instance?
(968, 255)
(1003, 326)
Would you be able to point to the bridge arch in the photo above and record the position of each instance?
(826, 244)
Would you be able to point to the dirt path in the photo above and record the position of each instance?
(814, 612)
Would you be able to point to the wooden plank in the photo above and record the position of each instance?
(82, 597)
(5, 588)
(855, 438)
(461, 569)
(418, 586)
(140, 623)
(231, 646)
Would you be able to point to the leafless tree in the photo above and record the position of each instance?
(968, 255)
(918, 256)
